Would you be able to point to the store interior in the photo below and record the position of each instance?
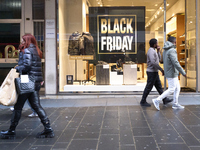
(80, 67)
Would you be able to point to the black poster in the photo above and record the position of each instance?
(119, 33)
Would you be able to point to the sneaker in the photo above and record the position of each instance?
(12, 108)
(145, 104)
(156, 103)
(178, 106)
(33, 115)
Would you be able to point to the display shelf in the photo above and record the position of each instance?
(182, 36)
(182, 61)
(182, 45)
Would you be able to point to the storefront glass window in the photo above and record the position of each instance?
(9, 42)
(191, 43)
(102, 45)
(38, 9)
(10, 9)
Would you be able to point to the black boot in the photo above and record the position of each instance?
(167, 100)
(47, 132)
(10, 133)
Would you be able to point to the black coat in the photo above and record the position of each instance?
(30, 63)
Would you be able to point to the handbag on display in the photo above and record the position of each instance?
(8, 94)
(25, 84)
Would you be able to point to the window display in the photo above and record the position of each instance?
(105, 45)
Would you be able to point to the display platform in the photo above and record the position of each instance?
(139, 87)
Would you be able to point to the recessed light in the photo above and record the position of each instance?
(155, 16)
(99, 3)
(167, 4)
(156, 4)
(160, 7)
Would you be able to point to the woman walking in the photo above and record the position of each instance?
(29, 63)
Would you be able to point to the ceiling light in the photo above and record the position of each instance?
(98, 2)
(156, 4)
(150, 9)
(158, 12)
(160, 7)
(173, 15)
(155, 16)
(101, 5)
(167, 4)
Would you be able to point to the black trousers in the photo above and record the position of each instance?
(152, 80)
(34, 101)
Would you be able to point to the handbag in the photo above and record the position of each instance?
(24, 87)
(8, 94)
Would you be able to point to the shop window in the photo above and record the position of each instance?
(9, 40)
(38, 9)
(10, 9)
(39, 34)
(103, 46)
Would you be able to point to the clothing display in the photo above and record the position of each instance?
(102, 75)
(81, 44)
(74, 43)
(88, 46)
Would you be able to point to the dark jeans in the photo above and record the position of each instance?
(34, 101)
(152, 80)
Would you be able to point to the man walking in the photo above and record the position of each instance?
(172, 68)
(153, 59)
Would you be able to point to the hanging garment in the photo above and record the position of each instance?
(88, 44)
(74, 41)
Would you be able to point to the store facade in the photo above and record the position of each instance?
(98, 46)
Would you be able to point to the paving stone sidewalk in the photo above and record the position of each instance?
(130, 127)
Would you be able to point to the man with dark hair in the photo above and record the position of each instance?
(153, 58)
(172, 68)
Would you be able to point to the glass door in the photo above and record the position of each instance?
(191, 43)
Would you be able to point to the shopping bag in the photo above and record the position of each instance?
(8, 94)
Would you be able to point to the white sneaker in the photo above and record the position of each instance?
(178, 106)
(12, 108)
(33, 115)
(156, 103)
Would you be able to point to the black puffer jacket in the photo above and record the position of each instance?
(30, 62)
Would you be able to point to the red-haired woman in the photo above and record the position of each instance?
(29, 63)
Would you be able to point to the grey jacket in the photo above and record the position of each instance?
(171, 65)
(153, 59)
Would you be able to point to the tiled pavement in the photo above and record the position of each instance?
(109, 127)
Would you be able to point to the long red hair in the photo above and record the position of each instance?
(28, 39)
